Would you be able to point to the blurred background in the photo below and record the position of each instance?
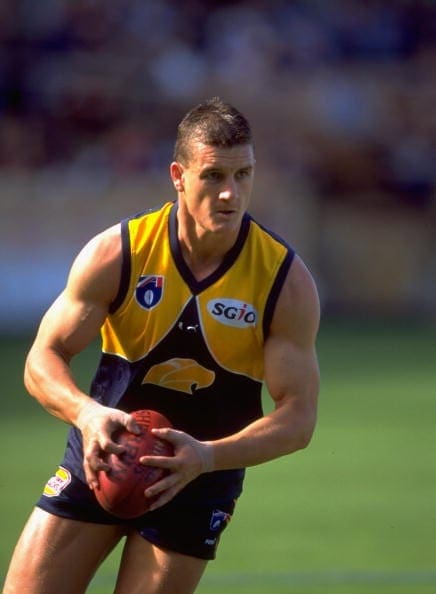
(341, 96)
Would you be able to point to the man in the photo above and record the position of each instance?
(197, 306)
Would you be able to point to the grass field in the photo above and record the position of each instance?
(355, 513)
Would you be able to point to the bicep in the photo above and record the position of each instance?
(70, 325)
(291, 366)
(76, 316)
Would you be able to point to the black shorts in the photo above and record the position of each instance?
(184, 525)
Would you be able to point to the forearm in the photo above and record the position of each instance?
(286, 430)
(48, 378)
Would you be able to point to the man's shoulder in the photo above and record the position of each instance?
(151, 213)
(266, 233)
(299, 297)
(106, 245)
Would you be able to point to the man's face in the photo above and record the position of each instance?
(215, 186)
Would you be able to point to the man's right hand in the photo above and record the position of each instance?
(98, 423)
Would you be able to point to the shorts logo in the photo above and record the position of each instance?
(219, 518)
(232, 312)
(57, 483)
(149, 290)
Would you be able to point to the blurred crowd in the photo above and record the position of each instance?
(341, 93)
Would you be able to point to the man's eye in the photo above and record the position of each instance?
(242, 173)
(213, 175)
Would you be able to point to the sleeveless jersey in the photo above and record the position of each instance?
(193, 350)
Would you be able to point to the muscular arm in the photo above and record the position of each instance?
(292, 378)
(70, 324)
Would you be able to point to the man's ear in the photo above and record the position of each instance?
(176, 172)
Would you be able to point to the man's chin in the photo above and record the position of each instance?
(226, 221)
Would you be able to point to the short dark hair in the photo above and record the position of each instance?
(213, 122)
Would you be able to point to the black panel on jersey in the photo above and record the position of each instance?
(232, 401)
(125, 268)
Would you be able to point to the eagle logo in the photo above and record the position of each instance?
(183, 375)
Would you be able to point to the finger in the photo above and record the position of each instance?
(164, 498)
(92, 464)
(172, 435)
(161, 486)
(90, 475)
(132, 426)
(112, 447)
(91, 478)
(158, 462)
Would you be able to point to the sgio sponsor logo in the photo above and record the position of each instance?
(233, 312)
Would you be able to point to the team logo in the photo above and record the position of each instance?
(232, 312)
(149, 290)
(57, 483)
(183, 375)
(218, 518)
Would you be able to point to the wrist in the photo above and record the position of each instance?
(204, 451)
(207, 456)
(85, 413)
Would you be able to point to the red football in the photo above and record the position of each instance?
(121, 489)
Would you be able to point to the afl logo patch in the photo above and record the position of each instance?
(149, 290)
(232, 312)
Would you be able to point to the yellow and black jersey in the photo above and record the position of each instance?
(190, 349)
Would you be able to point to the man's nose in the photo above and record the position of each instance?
(229, 189)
